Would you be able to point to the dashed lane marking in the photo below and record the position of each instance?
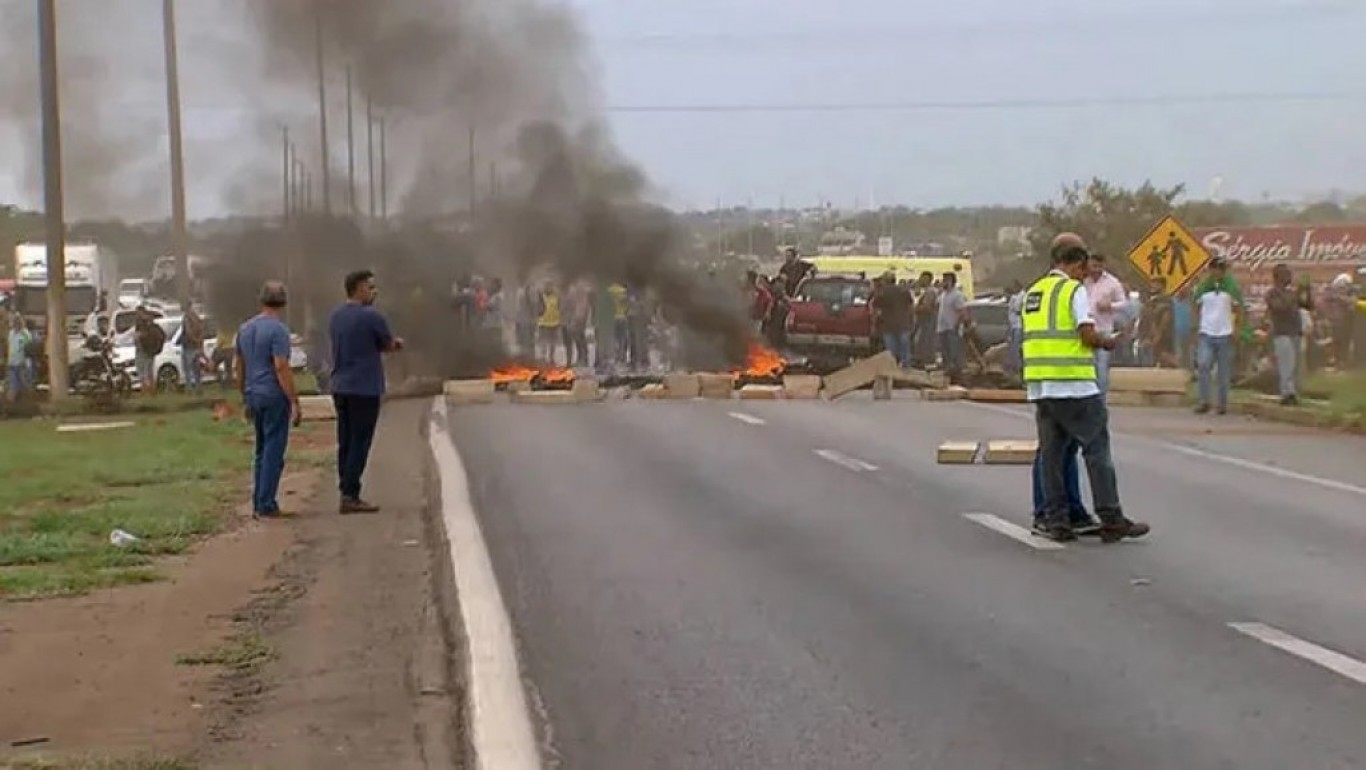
(1013, 531)
(1330, 659)
(845, 461)
(748, 419)
(1237, 462)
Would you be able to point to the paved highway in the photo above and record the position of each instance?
(728, 585)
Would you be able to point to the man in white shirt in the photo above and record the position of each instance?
(1060, 339)
(1108, 300)
(1218, 301)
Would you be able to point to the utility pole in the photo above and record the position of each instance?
(288, 181)
(383, 172)
(350, 148)
(474, 174)
(57, 349)
(179, 236)
(370, 149)
(322, 107)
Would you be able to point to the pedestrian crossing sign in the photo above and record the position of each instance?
(1169, 254)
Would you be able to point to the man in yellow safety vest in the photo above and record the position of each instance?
(1060, 340)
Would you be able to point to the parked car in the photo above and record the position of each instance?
(991, 319)
(829, 317)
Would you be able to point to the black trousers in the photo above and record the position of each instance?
(357, 417)
(1065, 423)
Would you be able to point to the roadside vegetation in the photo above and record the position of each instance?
(97, 763)
(169, 480)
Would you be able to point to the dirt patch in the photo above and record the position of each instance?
(99, 673)
(361, 670)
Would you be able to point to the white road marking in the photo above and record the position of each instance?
(82, 427)
(1237, 462)
(845, 461)
(747, 418)
(503, 736)
(1014, 531)
(1333, 661)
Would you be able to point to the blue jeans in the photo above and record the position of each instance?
(1215, 352)
(18, 380)
(1065, 424)
(1287, 349)
(271, 417)
(1076, 509)
(899, 345)
(1014, 351)
(951, 350)
(189, 364)
(1103, 360)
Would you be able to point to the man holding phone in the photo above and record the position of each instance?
(360, 337)
(268, 394)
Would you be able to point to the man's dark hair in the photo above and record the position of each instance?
(355, 279)
(1098, 258)
(951, 278)
(273, 295)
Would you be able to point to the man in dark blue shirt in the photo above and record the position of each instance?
(267, 386)
(360, 337)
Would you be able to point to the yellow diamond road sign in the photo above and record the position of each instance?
(1170, 254)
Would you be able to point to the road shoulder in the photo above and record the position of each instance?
(365, 654)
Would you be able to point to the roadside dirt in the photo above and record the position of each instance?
(98, 673)
(367, 672)
(323, 641)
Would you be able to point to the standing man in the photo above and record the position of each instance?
(360, 337)
(1283, 305)
(1219, 303)
(1108, 301)
(268, 395)
(926, 318)
(149, 339)
(191, 347)
(953, 311)
(548, 322)
(893, 304)
(1060, 377)
(792, 272)
(1015, 329)
(18, 367)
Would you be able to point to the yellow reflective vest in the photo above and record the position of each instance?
(1053, 350)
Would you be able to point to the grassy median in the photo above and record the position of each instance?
(167, 480)
(170, 479)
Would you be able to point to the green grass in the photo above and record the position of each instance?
(1346, 391)
(166, 480)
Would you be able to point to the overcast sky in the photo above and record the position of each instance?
(1003, 99)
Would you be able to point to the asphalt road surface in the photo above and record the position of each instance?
(730, 585)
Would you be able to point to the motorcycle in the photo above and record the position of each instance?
(97, 376)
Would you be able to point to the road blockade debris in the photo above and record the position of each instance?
(682, 385)
(996, 396)
(859, 374)
(958, 452)
(761, 392)
(470, 391)
(802, 386)
(1010, 452)
(951, 393)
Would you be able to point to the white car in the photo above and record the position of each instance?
(169, 368)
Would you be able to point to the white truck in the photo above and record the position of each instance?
(92, 282)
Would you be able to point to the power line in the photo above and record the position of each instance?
(992, 104)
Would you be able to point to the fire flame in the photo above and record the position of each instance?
(518, 373)
(512, 373)
(762, 362)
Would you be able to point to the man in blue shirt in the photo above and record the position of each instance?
(360, 337)
(267, 386)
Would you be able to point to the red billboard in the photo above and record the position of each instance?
(1321, 252)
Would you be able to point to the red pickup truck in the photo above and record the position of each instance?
(829, 318)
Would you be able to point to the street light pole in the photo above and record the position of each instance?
(370, 149)
(57, 350)
(179, 233)
(383, 172)
(322, 106)
(350, 147)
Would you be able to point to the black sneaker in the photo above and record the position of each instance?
(357, 505)
(1202, 409)
(1115, 531)
(1222, 410)
(1060, 533)
(1090, 527)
